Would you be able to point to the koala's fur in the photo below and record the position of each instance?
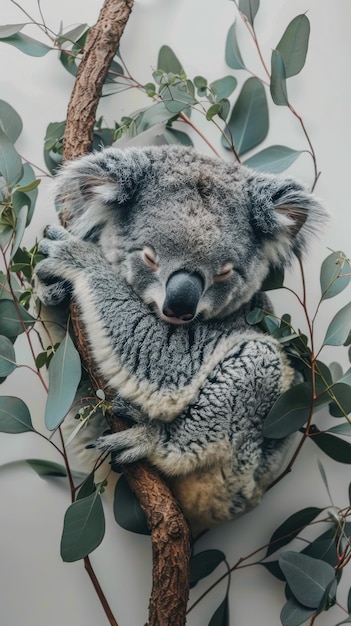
(198, 392)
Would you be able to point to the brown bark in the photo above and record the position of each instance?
(169, 530)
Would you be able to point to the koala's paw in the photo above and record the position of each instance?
(130, 445)
(52, 287)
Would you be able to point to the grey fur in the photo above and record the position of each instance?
(199, 392)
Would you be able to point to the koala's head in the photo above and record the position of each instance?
(190, 234)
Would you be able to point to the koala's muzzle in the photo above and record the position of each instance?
(183, 292)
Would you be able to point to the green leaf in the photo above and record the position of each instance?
(175, 98)
(10, 161)
(64, 377)
(168, 61)
(274, 280)
(292, 526)
(294, 614)
(204, 563)
(72, 35)
(69, 62)
(29, 185)
(155, 114)
(255, 316)
(212, 111)
(174, 136)
(21, 223)
(46, 468)
(10, 121)
(127, 510)
(274, 159)
(334, 447)
(278, 80)
(249, 8)
(88, 487)
(324, 547)
(307, 577)
(293, 45)
(339, 328)
(221, 615)
(233, 56)
(341, 429)
(249, 119)
(224, 87)
(289, 412)
(331, 281)
(273, 568)
(341, 395)
(26, 44)
(7, 357)
(200, 82)
(14, 319)
(84, 528)
(14, 416)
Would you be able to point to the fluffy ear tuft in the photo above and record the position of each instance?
(88, 186)
(285, 214)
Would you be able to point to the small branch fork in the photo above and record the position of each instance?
(169, 531)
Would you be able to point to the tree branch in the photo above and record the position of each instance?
(169, 531)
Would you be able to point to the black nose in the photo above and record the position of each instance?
(183, 292)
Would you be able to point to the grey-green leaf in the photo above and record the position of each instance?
(248, 122)
(84, 528)
(307, 577)
(14, 416)
(233, 56)
(294, 614)
(7, 357)
(291, 527)
(274, 159)
(221, 615)
(339, 328)
(64, 378)
(278, 80)
(10, 121)
(46, 468)
(168, 61)
(224, 87)
(293, 45)
(127, 510)
(14, 318)
(10, 29)
(204, 563)
(10, 161)
(332, 278)
(249, 8)
(26, 44)
(175, 136)
(289, 412)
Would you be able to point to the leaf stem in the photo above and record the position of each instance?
(105, 605)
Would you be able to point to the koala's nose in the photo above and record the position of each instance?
(183, 292)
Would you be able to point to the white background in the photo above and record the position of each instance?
(36, 587)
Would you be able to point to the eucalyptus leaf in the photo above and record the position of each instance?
(293, 45)
(341, 429)
(176, 99)
(88, 487)
(332, 283)
(278, 80)
(221, 615)
(339, 328)
(204, 563)
(10, 29)
(10, 161)
(155, 114)
(21, 223)
(232, 51)
(168, 61)
(294, 614)
(175, 136)
(64, 377)
(84, 528)
(292, 526)
(255, 316)
(73, 34)
(46, 468)
(273, 568)
(14, 416)
(334, 447)
(249, 8)
(26, 44)
(29, 185)
(14, 318)
(7, 357)
(224, 87)
(10, 121)
(289, 412)
(274, 280)
(248, 122)
(341, 395)
(69, 62)
(127, 510)
(274, 159)
(307, 577)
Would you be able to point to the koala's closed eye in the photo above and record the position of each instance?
(149, 257)
(224, 273)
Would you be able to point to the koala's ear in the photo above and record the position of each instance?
(284, 214)
(89, 186)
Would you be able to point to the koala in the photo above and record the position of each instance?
(165, 254)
